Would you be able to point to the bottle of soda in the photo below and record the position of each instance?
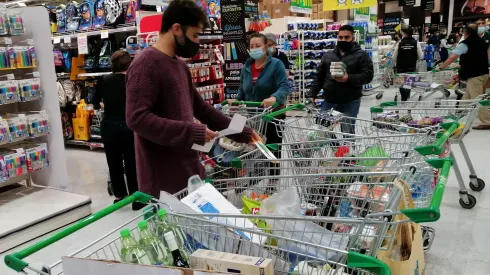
(157, 252)
(131, 252)
(164, 226)
(179, 260)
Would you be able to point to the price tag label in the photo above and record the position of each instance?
(82, 44)
(7, 40)
(104, 34)
(30, 42)
(67, 39)
(56, 40)
(10, 76)
(159, 9)
(35, 74)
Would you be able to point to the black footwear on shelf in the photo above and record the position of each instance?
(138, 205)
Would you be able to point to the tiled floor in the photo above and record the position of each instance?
(462, 243)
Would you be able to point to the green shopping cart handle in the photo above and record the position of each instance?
(271, 116)
(369, 263)
(15, 261)
(432, 213)
(437, 147)
(443, 70)
(248, 103)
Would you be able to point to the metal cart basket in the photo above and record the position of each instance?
(207, 230)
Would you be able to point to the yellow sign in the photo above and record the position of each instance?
(330, 5)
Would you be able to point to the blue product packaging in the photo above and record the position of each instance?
(61, 18)
(87, 11)
(99, 18)
(72, 16)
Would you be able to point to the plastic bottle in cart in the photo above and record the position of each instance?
(193, 183)
(164, 226)
(178, 258)
(154, 247)
(131, 252)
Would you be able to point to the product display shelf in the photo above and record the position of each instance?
(121, 28)
(37, 200)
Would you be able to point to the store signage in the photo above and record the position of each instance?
(329, 5)
(427, 5)
(235, 14)
(406, 3)
(361, 14)
(302, 6)
(391, 23)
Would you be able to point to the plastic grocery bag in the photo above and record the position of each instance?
(288, 203)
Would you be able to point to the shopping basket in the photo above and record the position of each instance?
(201, 231)
(430, 115)
(424, 84)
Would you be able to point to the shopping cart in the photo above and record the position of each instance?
(290, 249)
(430, 115)
(388, 72)
(421, 83)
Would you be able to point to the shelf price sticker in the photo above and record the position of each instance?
(10, 76)
(35, 74)
(7, 40)
(67, 39)
(56, 40)
(82, 43)
(104, 34)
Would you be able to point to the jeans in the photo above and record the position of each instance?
(350, 109)
(118, 142)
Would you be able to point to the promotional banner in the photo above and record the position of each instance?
(391, 22)
(329, 5)
(427, 5)
(234, 14)
(302, 6)
(406, 3)
(464, 8)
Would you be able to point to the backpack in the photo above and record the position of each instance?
(61, 18)
(72, 16)
(87, 13)
(100, 14)
(113, 11)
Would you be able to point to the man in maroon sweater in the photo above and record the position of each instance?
(162, 102)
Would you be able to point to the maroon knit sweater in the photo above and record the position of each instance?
(161, 104)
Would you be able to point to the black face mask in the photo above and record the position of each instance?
(188, 49)
(345, 46)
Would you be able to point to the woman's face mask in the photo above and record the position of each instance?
(271, 50)
(481, 29)
(257, 53)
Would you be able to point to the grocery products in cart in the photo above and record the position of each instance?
(306, 242)
(435, 115)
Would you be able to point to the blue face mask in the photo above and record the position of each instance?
(487, 28)
(481, 30)
(271, 50)
(257, 53)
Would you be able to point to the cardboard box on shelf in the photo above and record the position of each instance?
(280, 10)
(319, 7)
(314, 9)
(228, 262)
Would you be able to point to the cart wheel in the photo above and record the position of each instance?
(481, 185)
(447, 93)
(396, 98)
(109, 188)
(379, 96)
(386, 85)
(420, 98)
(391, 82)
(471, 202)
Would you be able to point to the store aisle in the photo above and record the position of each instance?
(462, 236)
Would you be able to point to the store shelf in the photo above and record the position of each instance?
(93, 74)
(119, 29)
(90, 144)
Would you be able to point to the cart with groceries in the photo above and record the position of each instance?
(344, 196)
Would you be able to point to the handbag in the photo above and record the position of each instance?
(408, 239)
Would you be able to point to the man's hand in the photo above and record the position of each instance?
(268, 102)
(210, 135)
(256, 138)
(342, 79)
(230, 101)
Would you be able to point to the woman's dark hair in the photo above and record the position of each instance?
(120, 61)
(259, 35)
(184, 12)
(442, 36)
(408, 32)
(470, 30)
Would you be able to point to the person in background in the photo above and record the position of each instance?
(162, 103)
(263, 79)
(473, 59)
(343, 93)
(482, 31)
(118, 139)
(433, 39)
(405, 57)
(452, 39)
(443, 48)
(272, 50)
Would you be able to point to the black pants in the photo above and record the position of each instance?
(405, 94)
(272, 138)
(119, 151)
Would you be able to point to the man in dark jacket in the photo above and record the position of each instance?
(473, 59)
(343, 94)
(406, 55)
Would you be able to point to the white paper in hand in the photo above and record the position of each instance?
(236, 126)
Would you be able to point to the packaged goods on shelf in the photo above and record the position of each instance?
(17, 57)
(18, 128)
(9, 92)
(36, 156)
(13, 163)
(38, 124)
(30, 89)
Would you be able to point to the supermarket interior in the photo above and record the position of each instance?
(372, 166)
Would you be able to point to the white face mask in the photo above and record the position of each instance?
(481, 30)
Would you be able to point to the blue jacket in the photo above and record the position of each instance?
(272, 81)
